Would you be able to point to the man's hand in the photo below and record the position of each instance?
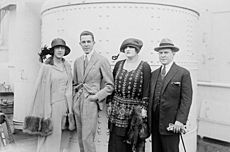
(70, 111)
(92, 98)
(178, 127)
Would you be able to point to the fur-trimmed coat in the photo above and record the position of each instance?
(38, 120)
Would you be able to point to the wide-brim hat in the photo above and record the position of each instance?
(59, 42)
(166, 44)
(133, 42)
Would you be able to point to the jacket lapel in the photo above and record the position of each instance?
(154, 81)
(172, 71)
(68, 71)
(92, 61)
(81, 65)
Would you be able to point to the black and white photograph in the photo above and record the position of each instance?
(114, 76)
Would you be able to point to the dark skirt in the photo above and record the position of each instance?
(117, 141)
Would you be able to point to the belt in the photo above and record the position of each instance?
(77, 87)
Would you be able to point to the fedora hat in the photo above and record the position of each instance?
(166, 44)
(136, 43)
(59, 42)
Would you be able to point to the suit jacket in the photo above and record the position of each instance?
(98, 78)
(176, 98)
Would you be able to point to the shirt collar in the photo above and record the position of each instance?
(168, 66)
(89, 55)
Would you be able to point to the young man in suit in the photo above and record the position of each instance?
(170, 99)
(93, 81)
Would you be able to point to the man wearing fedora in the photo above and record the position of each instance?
(93, 81)
(170, 100)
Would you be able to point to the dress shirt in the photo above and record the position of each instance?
(167, 67)
(89, 55)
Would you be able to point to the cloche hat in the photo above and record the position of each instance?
(59, 42)
(133, 42)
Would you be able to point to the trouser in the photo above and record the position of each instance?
(163, 143)
(86, 114)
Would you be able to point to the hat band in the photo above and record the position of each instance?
(166, 44)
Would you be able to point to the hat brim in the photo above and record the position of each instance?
(174, 49)
(131, 45)
(67, 49)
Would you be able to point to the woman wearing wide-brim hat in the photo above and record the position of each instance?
(131, 80)
(52, 99)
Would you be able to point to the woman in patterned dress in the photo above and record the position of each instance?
(132, 79)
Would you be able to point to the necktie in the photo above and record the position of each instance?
(86, 62)
(163, 72)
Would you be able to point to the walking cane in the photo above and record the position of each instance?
(182, 142)
(182, 131)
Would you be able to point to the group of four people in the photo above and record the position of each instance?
(164, 96)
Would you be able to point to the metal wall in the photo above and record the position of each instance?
(24, 43)
(112, 22)
(7, 16)
(214, 72)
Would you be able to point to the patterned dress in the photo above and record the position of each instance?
(131, 89)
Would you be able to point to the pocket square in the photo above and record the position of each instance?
(176, 83)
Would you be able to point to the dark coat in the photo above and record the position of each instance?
(176, 98)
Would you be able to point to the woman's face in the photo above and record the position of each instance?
(59, 52)
(130, 51)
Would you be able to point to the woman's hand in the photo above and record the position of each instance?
(109, 109)
(143, 113)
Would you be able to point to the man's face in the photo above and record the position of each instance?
(166, 56)
(87, 43)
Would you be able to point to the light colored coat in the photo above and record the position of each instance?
(41, 108)
(97, 80)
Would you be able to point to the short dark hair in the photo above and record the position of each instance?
(136, 50)
(86, 33)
